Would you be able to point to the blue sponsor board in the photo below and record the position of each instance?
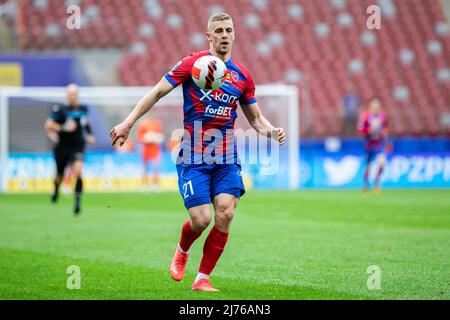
(318, 169)
(401, 171)
(415, 163)
(96, 165)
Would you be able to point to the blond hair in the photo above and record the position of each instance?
(220, 16)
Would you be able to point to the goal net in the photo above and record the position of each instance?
(26, 156)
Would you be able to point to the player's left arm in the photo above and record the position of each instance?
(258, 122)
(90, 137)
(254, 115)
(388, 144)
(385, 127)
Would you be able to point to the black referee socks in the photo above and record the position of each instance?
(78, 187)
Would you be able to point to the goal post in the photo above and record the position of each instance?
(25, 151)
(4, 139)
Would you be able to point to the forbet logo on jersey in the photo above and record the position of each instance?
(219, 111)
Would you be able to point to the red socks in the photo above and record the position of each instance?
(213, 248)
(188, 236)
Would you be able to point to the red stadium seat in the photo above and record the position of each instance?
(324, 61)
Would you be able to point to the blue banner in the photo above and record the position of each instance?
(341, 170)
(111, 171)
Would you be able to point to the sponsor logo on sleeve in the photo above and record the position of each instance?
(175, 67)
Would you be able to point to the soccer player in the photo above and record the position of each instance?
(350, 110)
(373, 125)
(203, 183)
(150, 135)
(65, 127)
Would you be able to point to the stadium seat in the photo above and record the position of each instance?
(326, 42)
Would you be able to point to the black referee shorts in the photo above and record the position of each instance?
(66, 156)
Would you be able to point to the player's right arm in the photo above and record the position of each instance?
(54, 124)
(120, 132)
(363, 125)
(179, 73)
(385, 126)
(51, 129)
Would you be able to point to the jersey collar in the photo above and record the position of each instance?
(226, 62)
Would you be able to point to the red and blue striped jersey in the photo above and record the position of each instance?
(373, 127)
(209, 111)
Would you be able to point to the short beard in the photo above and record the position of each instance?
(222, 52)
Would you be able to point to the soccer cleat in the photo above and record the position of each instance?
(204, 285)
(178, 265)
(365, 191)
(377, 190)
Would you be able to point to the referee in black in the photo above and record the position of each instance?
(69, 128)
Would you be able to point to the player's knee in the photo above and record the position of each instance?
(77, 170)
(77, 176)
(223, 219)
(59, 178)
(200, 218)
(200, 223)
(225, 211)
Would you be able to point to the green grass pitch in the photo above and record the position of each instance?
(282, 245)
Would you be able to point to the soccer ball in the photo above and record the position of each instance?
(209, 72)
